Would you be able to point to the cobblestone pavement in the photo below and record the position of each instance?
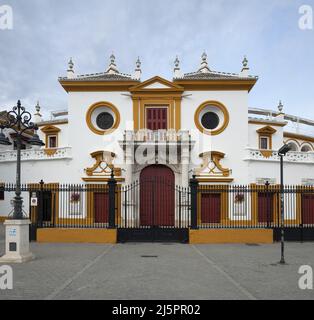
(160, 271)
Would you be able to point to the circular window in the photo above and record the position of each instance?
(211, 117)
(104, 120)
(210, 120)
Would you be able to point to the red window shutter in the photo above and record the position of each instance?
(156, 118)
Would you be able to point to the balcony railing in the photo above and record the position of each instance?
(36, 154)
(272, 155)
(146, 135)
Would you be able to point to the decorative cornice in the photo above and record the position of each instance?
(266, 130)
(52, 122)
(266, 122)
(211, 85)
(80, 86)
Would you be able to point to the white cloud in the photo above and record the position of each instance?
(47, 32)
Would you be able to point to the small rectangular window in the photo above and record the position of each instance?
(52, 141)
(264, 143)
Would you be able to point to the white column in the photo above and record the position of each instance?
(185, 158)
(129, 157)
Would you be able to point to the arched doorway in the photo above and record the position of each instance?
(157, 196)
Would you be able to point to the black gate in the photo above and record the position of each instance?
(154, 210)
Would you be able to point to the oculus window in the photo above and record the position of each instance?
(102, 118)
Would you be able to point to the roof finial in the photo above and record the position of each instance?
(37, 107)
(138, 64)
(138, 71)
(204, 56)
(37, 115)
(177, 63)
(112, 58)
(112, 66)
(176, 70)
(245, 67)
(70, 64)
(70, 70)
(280, 106)
(204, 64)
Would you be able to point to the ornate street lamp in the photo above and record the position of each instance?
(17, 229)
(281, 153)
(19, 120)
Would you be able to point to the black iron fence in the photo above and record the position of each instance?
(254, 206)
(158, 203)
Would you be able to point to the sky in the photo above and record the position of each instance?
(46, 33)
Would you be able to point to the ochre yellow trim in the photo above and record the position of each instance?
(213, 180)
(256, 189)
(207, 85)
(266, 132)
(266, 153)
(50, 130)
(90, 200)
(2, 219)
(177, 114)
(170, 97)
(169, 104)
(50, 151)
(217, 189)
(56, 235)
(142, 87)
(136, 112)
(99, 179)
(88, 86)
(89, 117)
(298, 136)
(103, 162)
(203, 236)
(218, 105)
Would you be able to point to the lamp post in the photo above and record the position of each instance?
(19, 120)
(282, 152)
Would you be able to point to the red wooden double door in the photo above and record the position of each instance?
(157, 196)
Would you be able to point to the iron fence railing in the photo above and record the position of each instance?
(158, 203)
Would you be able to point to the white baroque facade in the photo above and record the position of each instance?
(199, 123)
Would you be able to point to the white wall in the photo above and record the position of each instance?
(233, 140)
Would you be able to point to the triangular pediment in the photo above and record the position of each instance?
(156, 84)
(266, 130)
(50, 129)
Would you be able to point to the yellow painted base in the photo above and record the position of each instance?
(56, 235)
(231, 236)
(2, 219)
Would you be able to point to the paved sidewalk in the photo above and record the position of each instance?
(160, 271)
